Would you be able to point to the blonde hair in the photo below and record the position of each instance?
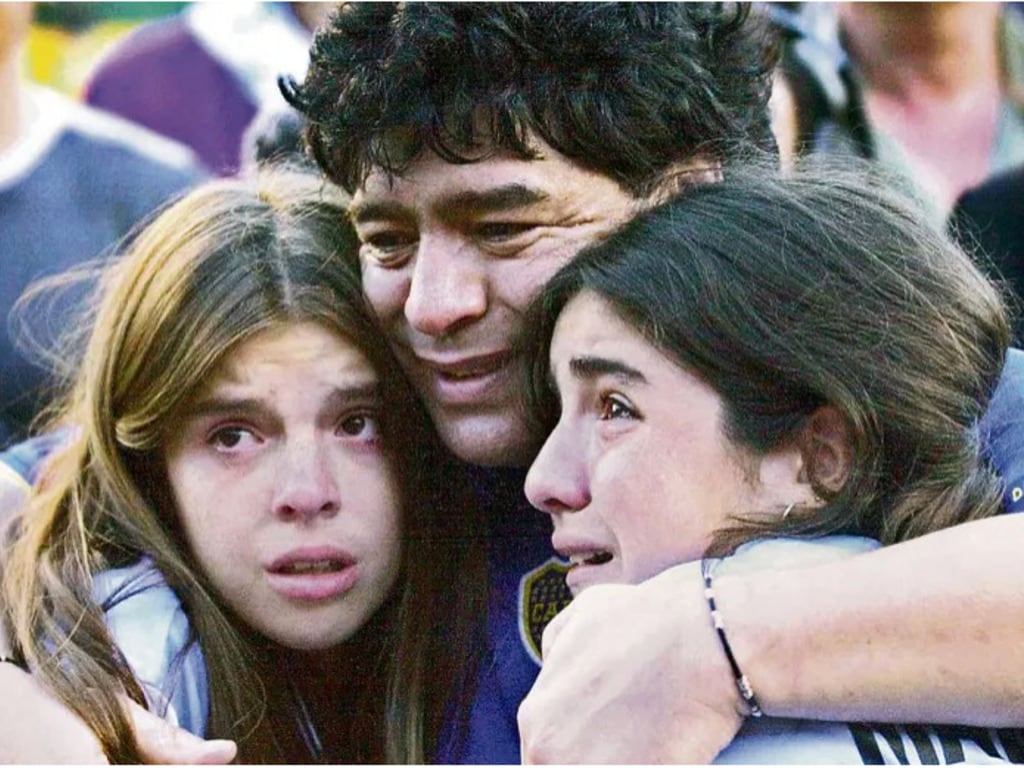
(228, 260)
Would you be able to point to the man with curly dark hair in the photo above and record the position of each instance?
(628, 91)
(515, 132)
(485, 144)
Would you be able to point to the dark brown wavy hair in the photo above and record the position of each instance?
(786, 293)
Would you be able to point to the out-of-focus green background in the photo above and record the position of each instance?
(67, 39)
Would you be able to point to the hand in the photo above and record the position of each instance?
(632, 674)
(164, 744)
(36, 728)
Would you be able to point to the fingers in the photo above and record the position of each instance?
(579, 613)
(163, 744)
(551, 632)
(36, 728)
(631, 674)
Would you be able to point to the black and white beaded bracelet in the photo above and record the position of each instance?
(742, 684)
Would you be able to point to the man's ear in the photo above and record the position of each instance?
(826, 444)
(679, 177)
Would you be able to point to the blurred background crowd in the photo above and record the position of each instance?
(107, 109)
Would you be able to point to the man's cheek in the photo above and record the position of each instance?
(386, 292)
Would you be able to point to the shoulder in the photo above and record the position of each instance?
(1002, 430)
(789, 552)
(1001, 195)
(160, 44)
(105, 130)
(150, 627)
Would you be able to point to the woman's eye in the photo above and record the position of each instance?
(616, 407)
(233, 439)
(361, 425)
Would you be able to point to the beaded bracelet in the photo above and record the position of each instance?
(742, 684)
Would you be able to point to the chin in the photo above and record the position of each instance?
(489, 441)
(310, 638)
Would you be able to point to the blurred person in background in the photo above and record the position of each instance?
(989, 218)
(204, 75)
(934, 90)
(73, 181)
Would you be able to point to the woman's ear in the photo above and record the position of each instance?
(827, 449)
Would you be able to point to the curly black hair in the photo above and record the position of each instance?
(625, 89)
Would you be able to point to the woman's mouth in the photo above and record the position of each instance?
(589, 558)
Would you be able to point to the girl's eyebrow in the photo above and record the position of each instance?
(340, 396)
(218, 404)
(587, 367)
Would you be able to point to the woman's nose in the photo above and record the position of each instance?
(307, 485)
(557, 481)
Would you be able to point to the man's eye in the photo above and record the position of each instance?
(388, 249)
(500, 230)
(616, 407)
(389, 241)
(361, 425)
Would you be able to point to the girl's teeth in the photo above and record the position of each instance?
(319, 566)
(590, 558)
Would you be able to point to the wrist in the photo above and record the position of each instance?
(701, 669)
(743, 686)
(750, 641)
(766, 643)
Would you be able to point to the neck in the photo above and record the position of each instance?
(332, 707)
(10, 100)
(360, 652)
(945, 47)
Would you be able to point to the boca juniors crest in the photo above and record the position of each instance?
(542, 594)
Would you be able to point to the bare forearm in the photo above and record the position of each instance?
(930, 630)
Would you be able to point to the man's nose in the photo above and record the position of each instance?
(448, 287)
(558, 480)
(307, 484)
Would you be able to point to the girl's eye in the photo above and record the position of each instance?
(616, 407)
(361, 425)
(233, 440)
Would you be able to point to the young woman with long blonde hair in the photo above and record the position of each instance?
(251, 528)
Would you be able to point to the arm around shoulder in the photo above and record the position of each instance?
(928, 630)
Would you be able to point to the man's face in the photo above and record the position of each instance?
(451, 257)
